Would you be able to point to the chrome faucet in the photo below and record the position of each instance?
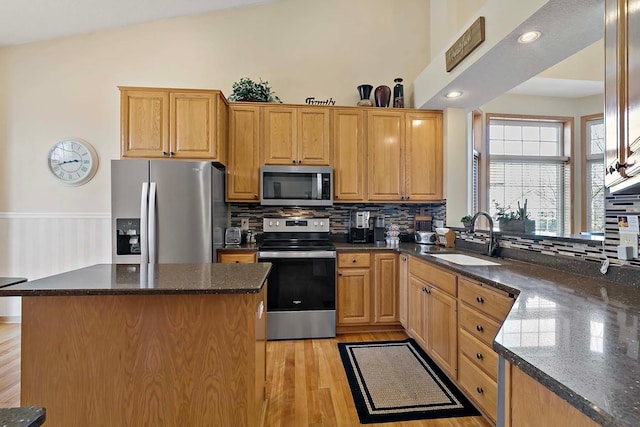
(493, 243)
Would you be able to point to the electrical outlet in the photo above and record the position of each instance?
(630, 240)
(244, 223)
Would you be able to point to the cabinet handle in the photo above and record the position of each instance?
(480, 300)
(479, 390)
(479, 356)
(479, 328)
(428, 291)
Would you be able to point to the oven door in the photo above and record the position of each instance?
(301, 294)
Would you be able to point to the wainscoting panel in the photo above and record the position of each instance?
(35, 245)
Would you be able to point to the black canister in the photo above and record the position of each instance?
(398, 94)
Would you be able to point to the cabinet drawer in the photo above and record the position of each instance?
(353, 259)
(229, 258)
(442, 279)
(478, 386)
(477, 324)
(484, 299)
(480, 354)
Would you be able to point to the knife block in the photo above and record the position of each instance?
(445, 237)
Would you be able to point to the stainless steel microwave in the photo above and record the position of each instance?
(296, 185)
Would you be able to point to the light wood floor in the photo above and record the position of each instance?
(306, 383)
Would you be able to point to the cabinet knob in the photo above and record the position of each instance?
(339, 274)
(237, 262)
(171, 153)
(479, 356)
(428, 291)
(353, 260)
(480, 300)
(299, 162)
(479, 328)
(164, 153)
(336, 197)
(401, 197)
(408, 197)
(479, 390)
(255, 196)
(293, 161)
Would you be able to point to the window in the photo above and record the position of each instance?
(527, 162)
(594, 173)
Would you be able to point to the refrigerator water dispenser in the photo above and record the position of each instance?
(128, 236)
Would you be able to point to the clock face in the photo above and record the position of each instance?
(73, 161)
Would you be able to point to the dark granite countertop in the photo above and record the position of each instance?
(342, 246)
(136, 279)
(8, 281)
(577, 335)
(245, 247)
(27, 416)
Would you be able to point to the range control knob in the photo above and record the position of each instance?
(270, 223)
(277, 223)
(315, 223)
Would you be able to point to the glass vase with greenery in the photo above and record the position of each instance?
(246, 89)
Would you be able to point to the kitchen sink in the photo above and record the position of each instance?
(463, 259)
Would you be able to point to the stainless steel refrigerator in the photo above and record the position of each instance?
(166, 211)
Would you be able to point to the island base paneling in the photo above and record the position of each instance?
(196, 360)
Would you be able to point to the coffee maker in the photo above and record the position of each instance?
(379, 230)
(359, 230)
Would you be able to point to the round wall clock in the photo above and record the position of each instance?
(73, 161)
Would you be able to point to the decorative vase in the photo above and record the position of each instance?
(365, 93)
(382, 95)
(398, 94)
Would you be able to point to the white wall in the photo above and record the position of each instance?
(68, 87)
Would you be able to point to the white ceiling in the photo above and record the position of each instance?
(25, 21)
(562, 88)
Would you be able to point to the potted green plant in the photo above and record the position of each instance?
(466, 221)
(246, 89)
(517, 221)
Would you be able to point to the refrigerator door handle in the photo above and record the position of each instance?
(153, 244)
(144, 224)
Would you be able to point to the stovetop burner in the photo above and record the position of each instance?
(296, 234)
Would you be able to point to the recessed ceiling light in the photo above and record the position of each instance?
(454, 94)
(529, 37)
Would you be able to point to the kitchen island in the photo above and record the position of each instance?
(128, 344)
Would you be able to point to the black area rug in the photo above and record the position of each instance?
(396, 381)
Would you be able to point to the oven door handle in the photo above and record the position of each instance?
(296, 254)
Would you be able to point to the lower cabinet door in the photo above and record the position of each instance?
(354, 296)
(443, 330)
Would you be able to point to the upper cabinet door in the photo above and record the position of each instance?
(385, 137)
(313, 136)
(193, 118)
(280, 132)
(632, 83)
(243, 178)
(144, 123)
(349, 156)
(423, 175)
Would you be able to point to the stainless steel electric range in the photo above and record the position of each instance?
(301, 292)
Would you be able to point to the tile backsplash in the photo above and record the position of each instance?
(339, 214)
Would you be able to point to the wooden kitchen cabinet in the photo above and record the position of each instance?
(368, 289)
(622, 93)
(530, 404)
(385, 140)
(349, 155)
(237, 257)
(433, 313)
(403, 290)
(173, 123)
(482, 310)
(386, 287)
(404, 156)
(354, 289)
(243, 173)
(296, 136)
(423, 156)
